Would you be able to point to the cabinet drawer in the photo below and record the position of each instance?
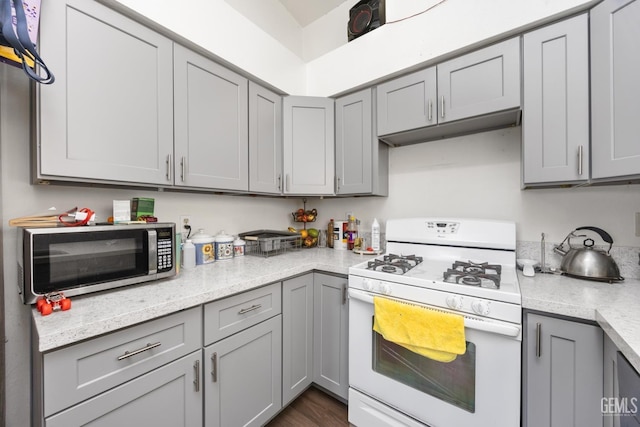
(83, 370)
(230, 315)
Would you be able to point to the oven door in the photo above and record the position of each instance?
(479, 388)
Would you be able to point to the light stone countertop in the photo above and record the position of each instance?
(614, 306)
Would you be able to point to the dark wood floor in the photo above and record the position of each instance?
(313, 408)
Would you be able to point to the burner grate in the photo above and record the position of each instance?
(474, 274)
(395, 264)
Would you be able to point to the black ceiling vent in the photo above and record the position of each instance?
(365, 16)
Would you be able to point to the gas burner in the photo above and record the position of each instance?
(474, 274)
(394, 264)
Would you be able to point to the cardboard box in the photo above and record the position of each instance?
(141, 206)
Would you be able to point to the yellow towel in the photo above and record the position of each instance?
(434, 334)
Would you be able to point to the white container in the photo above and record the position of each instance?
(239, 247)
(340, 235)
(223, 246)
(375, 235)
(204, 247)
(188, 255)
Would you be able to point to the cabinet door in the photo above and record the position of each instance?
(555, 128)
(297, 336)
(481, 82)
(615, 89)
(408, 102)
(611, 387)
(330, 334)
(354, 143)
(308, 145)
(265, 140)
(211, 124)
(109, 114)
(170, 396)
(243, 376)
(563, 379)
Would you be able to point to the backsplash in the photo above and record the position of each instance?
(626, 257)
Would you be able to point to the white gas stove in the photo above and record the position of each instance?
(461, 266)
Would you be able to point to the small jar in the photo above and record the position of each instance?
(223, 246)
(239, 247)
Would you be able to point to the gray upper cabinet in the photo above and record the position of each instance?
(563, 378)
(308, 132)
(471, 93)
(362, 161)
(109, 115)
(555, 126)
(265, 140)
(615, 89)
(408, 102)
(211, 124)
(481, 82)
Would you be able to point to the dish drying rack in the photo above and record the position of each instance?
(266, 243)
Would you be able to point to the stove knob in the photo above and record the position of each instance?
(454, 301)
(366, 285)
(385, 289)
(481, 307)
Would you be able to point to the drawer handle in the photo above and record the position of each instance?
(214, 367)
(252, 308)
(196, 381)
(538, 340)
(128, 354)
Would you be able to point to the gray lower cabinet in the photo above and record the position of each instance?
(109, 115)
(265, 140)
(563, 383)
(211, 124)
(297, 336)
(170, 396)
(555, 126)
(106, 379)
(615, 89)
(243, 358)
(611, 388)
(470, 93)
(362, 161)
(330, 334)
(242, 378)
(308, 144)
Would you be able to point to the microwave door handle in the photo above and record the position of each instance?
(152, 237)
(478, 324)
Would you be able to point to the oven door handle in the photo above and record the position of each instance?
(469, 322)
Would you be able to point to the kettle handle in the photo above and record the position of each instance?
(603, 234)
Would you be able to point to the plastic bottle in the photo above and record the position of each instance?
(330, 234)
(188, 254)
(375, 235)
(352, 233)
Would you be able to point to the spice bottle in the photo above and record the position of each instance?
(352, 233)
(330, 234)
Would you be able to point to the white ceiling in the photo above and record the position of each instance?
(307, 11)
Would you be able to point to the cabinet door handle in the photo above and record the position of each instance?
(442, 106)
(183, 166)
(430, 108)
(214, 367)
(169, 167)
(128, 354)
(580, 157)
(252, 308)
(344, 293)
(538, 339)
(279, 182)
(196, 369)
(337, 184)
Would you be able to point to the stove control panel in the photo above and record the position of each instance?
(442, 227)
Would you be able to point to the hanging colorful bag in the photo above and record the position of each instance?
(18, 35)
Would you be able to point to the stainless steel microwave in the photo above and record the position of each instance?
(81, 260)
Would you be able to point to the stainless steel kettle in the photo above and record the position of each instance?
(587, 262)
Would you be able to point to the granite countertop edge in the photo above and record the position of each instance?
(612, 306)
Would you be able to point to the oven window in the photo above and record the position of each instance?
(452, 382)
